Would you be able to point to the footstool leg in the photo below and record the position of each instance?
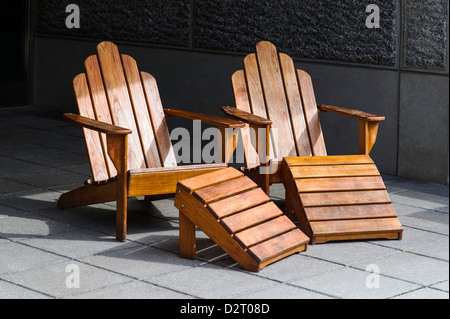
(187, 238)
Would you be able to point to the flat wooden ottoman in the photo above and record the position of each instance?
(238, 216)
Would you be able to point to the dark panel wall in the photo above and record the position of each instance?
(313, 29)
(165, 22)
(193, 47)
(425, 35)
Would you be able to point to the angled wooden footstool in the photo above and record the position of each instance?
(339, 198)
(238, 216)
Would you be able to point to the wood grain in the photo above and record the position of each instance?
(119, 99)
(158, 118)
(141, 113)
(280, 246)
(241, 96)
(100, 104)
(256, 95)
(340, 184)
(351, 227)
(275, 98)
(225, 189)
(344, 198)
(321, 213)
(327, 160)
(238, 203)
(334, 171)
(251, 217)
(262, 232)
(193, 184)
(93, 141)
(311, 113)
(297, 115)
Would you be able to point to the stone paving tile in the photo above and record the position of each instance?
(52, 279)
(28, 225)
(17, 149)
(424, 293)
(283, 291)
(413, 238)
(350, 283)
(49, 177)
(419, 218)
(31, 121)
(444, 286)
(132, 290)
(419, 199)
(57, 159)
(13, 291)
(416, 185)
(140, 262)
(33, 201)
(349, 253)
(297, 267)
(17, 257)
(82, 169)
(6, 211)
(211, 282)
(8, 186)
(438, 250)
(410, 267)
(50, 140)
(11, 167)
(78, 243)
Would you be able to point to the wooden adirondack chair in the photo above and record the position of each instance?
(333, 197)
(127, 137)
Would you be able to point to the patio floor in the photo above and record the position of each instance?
(41, 156)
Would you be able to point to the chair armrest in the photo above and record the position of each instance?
(368, 125)
(101, 127)
(246, 117)
(205, 118)
(351, 113)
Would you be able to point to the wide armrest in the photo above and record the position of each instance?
(246, 117)
(205, 118)
(351, 113)
(101, 127)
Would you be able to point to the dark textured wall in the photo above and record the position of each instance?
(425, 35)
(312, 29)
(165, 22)
(324, 30)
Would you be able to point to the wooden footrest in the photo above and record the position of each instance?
(238, 216)
(339, 198)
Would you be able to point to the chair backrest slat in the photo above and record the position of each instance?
(119, 100)
(100, 107)
(158, 118)
(275, 98)
(242, 99)
(295, 103)
(255, 92)
(94, 145)
(141, 112)
(311, 114)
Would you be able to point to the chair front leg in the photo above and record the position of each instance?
(367, 136)
(118, 150)
(229, 138)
